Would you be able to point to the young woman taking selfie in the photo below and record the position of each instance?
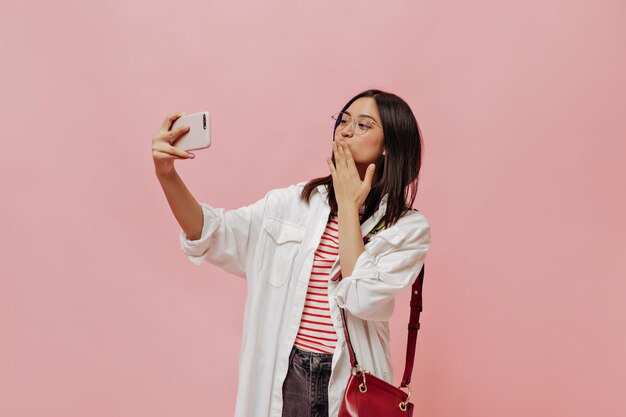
(349, 241)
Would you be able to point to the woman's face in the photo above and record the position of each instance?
(368, 147)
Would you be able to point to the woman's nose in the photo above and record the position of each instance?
(348, 130)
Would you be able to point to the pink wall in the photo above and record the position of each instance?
(523, 183)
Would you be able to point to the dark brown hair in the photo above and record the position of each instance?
(397, 172)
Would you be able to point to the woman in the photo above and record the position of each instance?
(302, 251)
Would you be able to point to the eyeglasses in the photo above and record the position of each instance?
(360, 125)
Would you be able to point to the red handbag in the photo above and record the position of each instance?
(369, 396)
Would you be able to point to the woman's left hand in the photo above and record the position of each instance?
(349, 189)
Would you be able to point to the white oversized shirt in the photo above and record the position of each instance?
(271, 244)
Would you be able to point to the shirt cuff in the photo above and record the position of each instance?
(364, 268)
(196, 250)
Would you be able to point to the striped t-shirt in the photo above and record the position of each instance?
(316, 332)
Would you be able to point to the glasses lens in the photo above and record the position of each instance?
(340, 120)
(362, 125)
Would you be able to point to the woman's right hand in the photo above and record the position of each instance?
(163, 151)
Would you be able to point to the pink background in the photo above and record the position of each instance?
(523, 184)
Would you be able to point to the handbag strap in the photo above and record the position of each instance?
(413, 327)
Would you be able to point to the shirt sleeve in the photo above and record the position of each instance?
(227, 236)
(383, 270)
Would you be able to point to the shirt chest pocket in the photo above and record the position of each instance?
(280, 244)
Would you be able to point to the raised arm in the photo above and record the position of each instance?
(184, 206)
(219, 236)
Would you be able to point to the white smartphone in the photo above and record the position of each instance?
(199, 134)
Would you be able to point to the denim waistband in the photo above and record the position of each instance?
(304, 356)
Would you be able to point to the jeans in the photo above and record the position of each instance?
(305, 389)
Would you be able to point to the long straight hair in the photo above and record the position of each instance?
(397, 172)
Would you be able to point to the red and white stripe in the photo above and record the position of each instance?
(317, 333)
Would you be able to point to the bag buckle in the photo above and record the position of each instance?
(403, 404)
(362, 386)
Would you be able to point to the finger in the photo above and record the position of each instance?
(369, 175)
(348, 156)
(331, 166)
(333, 161)
(174, 135)
(174, 151)
(336, 153)
(344, 151)
(340, 158)
(168, 154)
(169, 119)
(180, 152)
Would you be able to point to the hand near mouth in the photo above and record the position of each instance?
(349, 189)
